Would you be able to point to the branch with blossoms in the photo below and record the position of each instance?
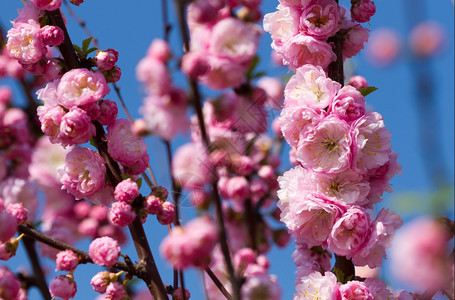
(341, 152)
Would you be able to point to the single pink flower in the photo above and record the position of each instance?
(121, 214)
(317, 285)
(126, 191)
(104, 251)
(75, 127)
(67, 260)
(362, 10)
(25, 42)
(63, 286)
(52, 35)
(320, 19)
(48, 4)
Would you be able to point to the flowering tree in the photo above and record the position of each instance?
(69, 150)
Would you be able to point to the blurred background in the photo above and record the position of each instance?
(409, 58)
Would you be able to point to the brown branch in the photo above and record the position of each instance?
(218, 283)
(196, 101)
(38, 275)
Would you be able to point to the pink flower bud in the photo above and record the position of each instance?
(194, 64)
(358, 82)
(121, 214)
(9, 226)
(126, 191)
(238, 188)
(101, 280)
(116, 291)
(8, 249)
(18, 211)
(243, 258)
(362, 11)
(104, 251)
(166, 215)
(153, 205)
(63, 286)
(5, 95)
(178, 294)
(106, 60)
(48, 4)
(113, 75)
(67, 260)
(281, 237)
(9, 285)
(52, 35)
(88, 227)
(161, 192)
(93, 110)
(159, 50)
(108, 113)
(203, 11)
(267, 173)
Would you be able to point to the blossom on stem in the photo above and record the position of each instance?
(104, 251)
(63, 286)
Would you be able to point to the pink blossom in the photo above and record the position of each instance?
(350, 232)
(88, 227)
(9, 284)
(370, 143)
(358, 82)
(104, 251)
(309, 260)
(234, 40)
(126, 191)
(320, 19)
(18, 211)
(54, 69)
(384, 47)
(296, 121)
(113, 75)
(194, 64)
(108, 112)
(25, 42)
(355, 290)
(81, 86)
(191, 166)
(123, 145)
(383, 229)
(238, 190)
(106, 60)
(121, 214)
(282, 24)
(427, 38)
(223, 74)
(356, 35)
(92, 110)
(167, 213)
(327, 147)
(19, 190)
(160, 50)
(83, 172)
(274, 90)
(317, 285)
(29, 12)
(104, 196)
(163, 114)
(302, 49)
(190, 245)
(310, 218)
(8, 249)
(101, 280)
(76, 127)
(348, 105)
(378, 289)
(67, 260)
(48, 5)
(153, 205)
(310, 87)
(420, 255)
(63, 286)
(52, 35)
(154, 75)
(262, 286)
(48, 94)
(362, 11)
(116, 291)
(202, 11)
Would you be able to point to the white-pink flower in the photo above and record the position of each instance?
(282, 24)
(370, 143)
(320, 19)
(25, 42)
(81, 86)
(83, 172)
(355, 290)
(317, 286)
(327, 147)
(348, 105)
(311, 87)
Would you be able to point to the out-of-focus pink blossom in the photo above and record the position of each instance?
(384, 47)
(154, 75)
(194, 64)
(261, 286)
(191, 166)
(104, 251)
(427, 38)
(274, 90)
(8, 249)
(178, 294)
(63, 286)
(419, 256)
(160, 50)
(9, 284)
(18, 211)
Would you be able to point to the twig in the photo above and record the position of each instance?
(38, 274)
(218, 283)
(82, 24)
(196, 100)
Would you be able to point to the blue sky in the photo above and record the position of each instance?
(131, 28)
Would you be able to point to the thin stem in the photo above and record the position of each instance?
(82, 24)
(38, 274)
(166, 24)
(196, 101)
(175, 193)
(218, 283)
(251, 220)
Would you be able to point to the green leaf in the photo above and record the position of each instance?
(341, 277)
(86, 44)
(254, 63)
(368, 90)
(77, 48)
(139, 182)
(90, 50)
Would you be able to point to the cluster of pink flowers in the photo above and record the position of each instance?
(222, 46)
(301, 30)
(164, 108)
